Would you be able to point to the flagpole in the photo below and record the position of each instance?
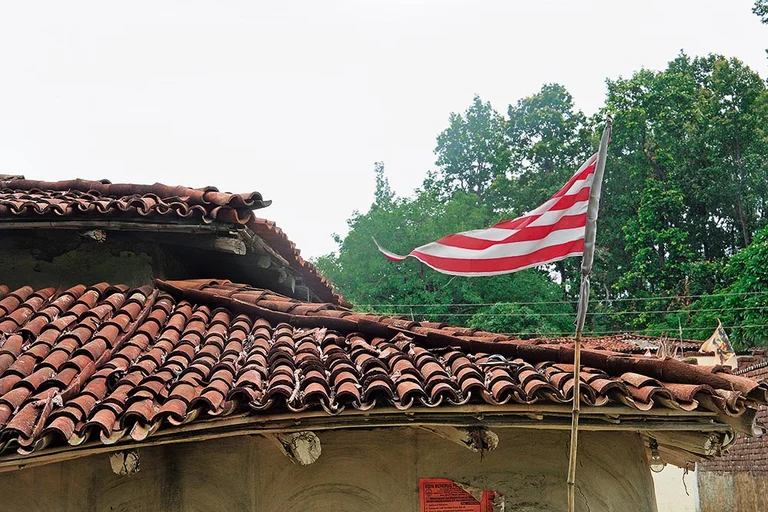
(586, 268)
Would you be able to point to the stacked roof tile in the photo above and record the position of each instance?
(625, 342)
(110, 363)
(86, 198)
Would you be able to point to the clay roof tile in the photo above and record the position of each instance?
(190, 351)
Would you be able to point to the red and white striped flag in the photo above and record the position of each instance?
(553, 231)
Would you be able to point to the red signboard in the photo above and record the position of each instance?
(443, 495)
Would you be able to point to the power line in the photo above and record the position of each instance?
(562, 334)
(596, 313)
(619, 299)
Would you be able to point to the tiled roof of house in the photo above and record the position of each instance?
(625, 342)
(110, 363)
(85, 198)
(22, 199)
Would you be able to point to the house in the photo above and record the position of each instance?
(163, 348)
(631, 343)
(657, 346)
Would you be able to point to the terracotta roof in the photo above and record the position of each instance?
(84, 198)
(22, 199)
(626, 342)
(279, 241)
(110, 363)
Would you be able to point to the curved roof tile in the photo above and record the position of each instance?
(109, 363)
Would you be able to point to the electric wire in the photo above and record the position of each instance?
(618, 299)
(594, 313)
(588, 334)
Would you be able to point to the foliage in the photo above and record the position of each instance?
(685, 179)
(365, 277)
(472, 153)
(685, 192)
(549, 140)
(761, 10)
(743, 304)
(532, 307)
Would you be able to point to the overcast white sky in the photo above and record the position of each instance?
(298, 99)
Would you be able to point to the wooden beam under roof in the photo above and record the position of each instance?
(553, 417)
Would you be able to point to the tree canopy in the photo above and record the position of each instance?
(682, 234)
(761, 10)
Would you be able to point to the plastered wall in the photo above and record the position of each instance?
(358, 471)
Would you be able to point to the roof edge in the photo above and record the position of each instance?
(522, 416)
(194, 196)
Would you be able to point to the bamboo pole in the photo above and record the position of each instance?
(586, 268)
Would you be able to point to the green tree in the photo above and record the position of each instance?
(659, 245)
(534, 307)
(365, 277)
(734, 140)
(761, 10)
(472, 153)
(548, 141)
(685, 180)
(684, 194)
(743, 304)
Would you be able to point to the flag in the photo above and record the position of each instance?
(553, 231)
(719, 344)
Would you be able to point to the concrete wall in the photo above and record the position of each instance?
(732, 362)
(375, 470)
(676, 491)
(742, 491)
(42, 259)
(63, 258)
